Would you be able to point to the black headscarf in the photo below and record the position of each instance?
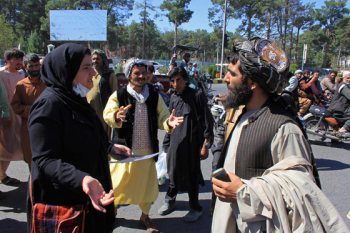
(58, 72)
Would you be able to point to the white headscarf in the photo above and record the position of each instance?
(130, 64)
(142, 97)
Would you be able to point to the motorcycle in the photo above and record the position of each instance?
(160, 89)
(217, 111)
(320, 125)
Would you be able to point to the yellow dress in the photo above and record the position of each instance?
(136, 182)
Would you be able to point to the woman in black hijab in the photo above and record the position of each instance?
(69, 145)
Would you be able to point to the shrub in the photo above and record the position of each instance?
(202, 69)
(293, 68)
(119, 69)
(212, 70)
(163, 70)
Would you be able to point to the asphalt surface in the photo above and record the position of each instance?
(333, 162)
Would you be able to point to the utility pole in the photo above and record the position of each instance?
(204, 55)
(223, 38)
(144, 33)
(304, 57)
(217, 53)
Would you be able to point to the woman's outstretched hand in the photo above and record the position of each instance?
(98, 196)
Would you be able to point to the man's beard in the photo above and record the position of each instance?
(240, 94)
(33, 74)
(97, 65)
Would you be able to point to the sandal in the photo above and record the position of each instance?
(150, 225)
(9, 181)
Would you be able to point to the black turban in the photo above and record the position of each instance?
(263, 62)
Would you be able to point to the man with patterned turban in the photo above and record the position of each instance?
(105, 83)
(135, 112)
(274, 184)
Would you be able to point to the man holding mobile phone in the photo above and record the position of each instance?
(266, 154)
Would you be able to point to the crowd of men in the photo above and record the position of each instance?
(309, 90)
(273, 180)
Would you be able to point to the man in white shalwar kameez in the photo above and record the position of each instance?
(274, 180)
(10, 140)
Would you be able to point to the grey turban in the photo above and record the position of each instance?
(103, 56)
(130, 64)
(264, 62)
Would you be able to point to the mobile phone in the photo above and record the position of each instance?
(221, 174)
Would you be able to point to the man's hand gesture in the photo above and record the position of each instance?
(121, 114)
(174, 121)
(227, 191)
(98, 196)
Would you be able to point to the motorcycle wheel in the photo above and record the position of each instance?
(311, 123)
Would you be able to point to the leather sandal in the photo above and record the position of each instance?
(9, 181)
(150, 225)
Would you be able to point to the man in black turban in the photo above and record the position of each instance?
(266, 154)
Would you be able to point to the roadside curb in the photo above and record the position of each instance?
(216, 81)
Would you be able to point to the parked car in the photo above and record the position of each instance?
(156, 65)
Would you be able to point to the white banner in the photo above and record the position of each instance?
(78, 25)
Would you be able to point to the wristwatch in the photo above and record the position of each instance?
(208, 144)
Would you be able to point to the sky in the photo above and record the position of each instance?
(199, 18)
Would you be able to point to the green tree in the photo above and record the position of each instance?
(146, 7)
(303, 21)
(10, 9)
(177, 13)
(248, 11)
(7, 35)
(24, 44)
(34, 44)
(327, 17)
(29, 17)
(343, 37)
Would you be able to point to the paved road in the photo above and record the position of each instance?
(333, 163)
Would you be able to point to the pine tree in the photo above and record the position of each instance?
(177, 13)
(6, 35)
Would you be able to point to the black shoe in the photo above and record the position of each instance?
(167, 208)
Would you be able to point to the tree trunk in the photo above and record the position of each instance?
(325, 55)
(175, 40)
(144, 31)
(296, 46)
(249, 27)
(345, 62)
(149, 45)
(269, 24)
(338, 59)
(291, 43)
(285, 27)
